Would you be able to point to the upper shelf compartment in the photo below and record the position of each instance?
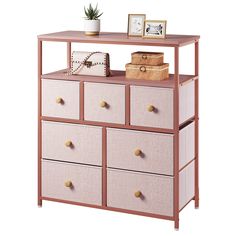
(119, 38)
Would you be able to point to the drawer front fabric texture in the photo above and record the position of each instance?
(151, 107)
(72, 182)
(156, 192)
(72, 142)
(141, 151)
(104, 102)
(60, 98)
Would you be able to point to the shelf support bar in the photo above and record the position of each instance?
(68, 55)
(176, 137)
(196, 177)
(40, 70)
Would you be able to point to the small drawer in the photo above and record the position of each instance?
(60, 98)
(151, 107)
(72, 142)
(140, 192)
(72, 182)
(104, 102)
(141, 151)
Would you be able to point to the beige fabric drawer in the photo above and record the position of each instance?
(162, 101)
(104, 102)
(86, 142)
(156, 154)
(60, 98)
(157, 192)
(86, 182)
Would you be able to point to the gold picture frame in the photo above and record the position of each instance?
(154, 29)
(136, 24)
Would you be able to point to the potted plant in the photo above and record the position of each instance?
(92, 23)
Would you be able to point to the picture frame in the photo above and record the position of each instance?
(136, 24)
(154, 29)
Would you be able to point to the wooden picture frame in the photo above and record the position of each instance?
(154, 29)
(136, 24)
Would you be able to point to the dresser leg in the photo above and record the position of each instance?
(177, 224)
(40, 202)
(196, 200)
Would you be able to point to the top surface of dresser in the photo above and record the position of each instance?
(171, 40)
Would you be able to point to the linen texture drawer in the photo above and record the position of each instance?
(151, 107)
(60, 98)
(72, 142)
(140, 192)
(148, 192)
(72, 182)
(141, 151)
(104, 102)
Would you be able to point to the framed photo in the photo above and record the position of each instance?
(136, 24)
(154, 29)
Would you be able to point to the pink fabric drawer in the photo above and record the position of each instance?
(156, 151)
(114, 97)
(86, 182)
(157, 192)
(86, 142)
(68, 91)
(162, 101)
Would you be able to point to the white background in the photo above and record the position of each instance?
(21, 21)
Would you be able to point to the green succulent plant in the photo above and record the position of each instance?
(92, 13)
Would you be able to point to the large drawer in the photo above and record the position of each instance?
(72, 142)
(142, 151)
(148, 151)
(60, 98)
(104, 102)
(150, 193)
(72, 182)
(140, 192)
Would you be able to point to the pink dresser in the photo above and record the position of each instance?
(116, 144)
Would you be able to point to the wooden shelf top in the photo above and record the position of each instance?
(171, 40)
(118, 77)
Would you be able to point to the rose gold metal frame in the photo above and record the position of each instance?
(175, 130)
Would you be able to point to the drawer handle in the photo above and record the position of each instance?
(144, 57)
(150, 108)
(138, 194)
(68, 184)
(137, 152)
(142, 68)
(59, 100)
(103, 104)
(68, 143)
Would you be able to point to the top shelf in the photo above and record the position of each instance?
(171, 40)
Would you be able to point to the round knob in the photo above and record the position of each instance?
(103, 104)
(59, 100)
(138, 194)
(68, 143)
(68, 184)
(137, 152)
(150, 108)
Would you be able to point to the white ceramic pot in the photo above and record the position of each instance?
(92, 27)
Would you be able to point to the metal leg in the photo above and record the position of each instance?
(39, 123)
(196, 198)
(176, 139)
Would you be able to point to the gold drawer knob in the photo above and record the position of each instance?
(137, 152)
(59, 100)
(68, 143)
(68, 184)
(150, 108)
(103, 104)
(138, 194)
